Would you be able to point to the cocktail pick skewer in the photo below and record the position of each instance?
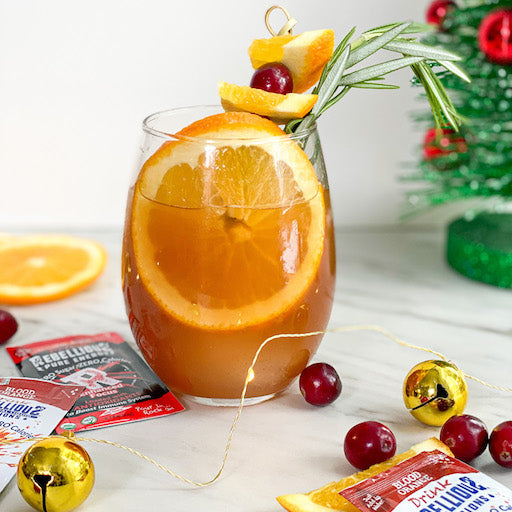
(286, 29)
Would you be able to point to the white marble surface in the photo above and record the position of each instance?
(394, 279)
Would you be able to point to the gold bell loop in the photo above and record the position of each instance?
(286, 29)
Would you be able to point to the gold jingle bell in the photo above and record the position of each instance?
(55, 475)
(435, 391)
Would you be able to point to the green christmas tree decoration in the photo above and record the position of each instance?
(476, 161)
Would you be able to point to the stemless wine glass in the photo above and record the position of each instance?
(228, 240)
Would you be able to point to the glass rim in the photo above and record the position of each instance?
(304, 133)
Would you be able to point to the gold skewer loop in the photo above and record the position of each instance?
(286, 29)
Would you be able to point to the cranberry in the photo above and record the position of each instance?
(465, 435)
(369, 443)
(320, 384)
(8, 326)
(500, 444)
(273, 77)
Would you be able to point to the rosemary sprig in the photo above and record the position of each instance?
(336, 79)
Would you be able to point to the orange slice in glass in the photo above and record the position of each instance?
(212, 222)
(280, 107)
(305, 55)
(328, 499)
(42, 268)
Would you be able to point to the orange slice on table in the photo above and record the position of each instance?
(305, 55)
(5, 237)
(328, 499)
(211, 224)
(280, 107)
(42, 268)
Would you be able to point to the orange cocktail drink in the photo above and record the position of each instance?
(228, 240)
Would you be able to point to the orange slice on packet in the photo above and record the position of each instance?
(42, 268)
(328, 497)
(305, 55)
(279, 107)
(210, 221)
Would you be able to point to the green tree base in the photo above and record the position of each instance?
(481, 248)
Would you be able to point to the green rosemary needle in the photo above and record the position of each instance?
(338, 77)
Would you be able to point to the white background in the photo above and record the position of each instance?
(77, 78)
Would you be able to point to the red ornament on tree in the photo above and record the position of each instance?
(437, 11)
(495, 36)
(438, 143)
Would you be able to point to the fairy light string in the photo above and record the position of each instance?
(250, 373)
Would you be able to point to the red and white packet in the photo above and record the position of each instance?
(119, 386)
(29, 408)
(430, 482)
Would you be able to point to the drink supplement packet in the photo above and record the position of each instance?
(119, 386)
(430, 482)
(28, 408)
